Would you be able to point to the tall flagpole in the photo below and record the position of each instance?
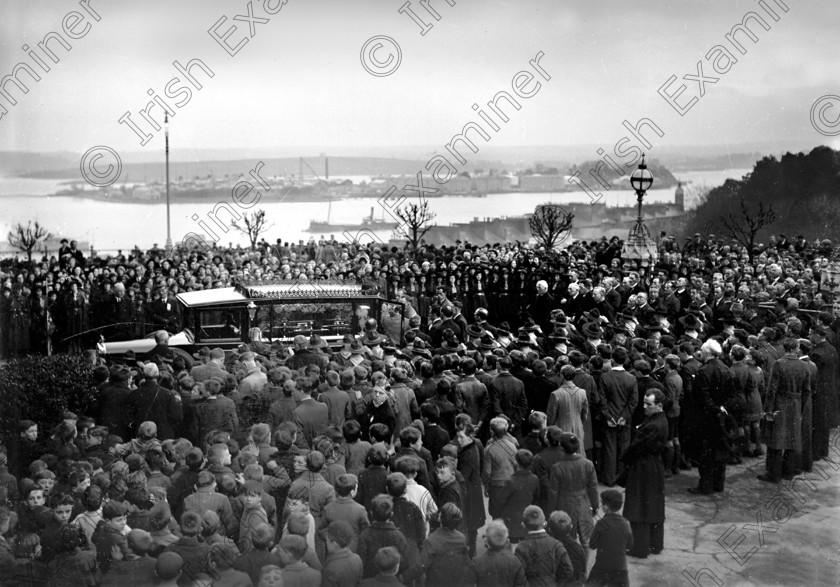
(168, 227)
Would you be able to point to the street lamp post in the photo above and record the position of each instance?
(168, 226)
(641, 180)
(639, 245)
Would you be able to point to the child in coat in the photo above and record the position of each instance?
(520, 491)
(612, 537)
(252, 516)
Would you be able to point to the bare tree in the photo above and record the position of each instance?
(26, 238)
(252, 226)
(415, 222)
(550, 225)
(744, 226)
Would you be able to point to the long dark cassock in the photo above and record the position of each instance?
(825, 404)
(644, 496)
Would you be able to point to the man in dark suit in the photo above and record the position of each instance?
(644, 311)
(164, 310)
(720, 308)
(602, 305)
(672, 301)
(683, 293)
(611, 293)
(311, 417)
(151, 402)
(542, 305)
(507, 396)
(541, 387)
(621, 396)
(446, 408)
(120, 314)
(435, 436)
(825, 400)
(711, 389)
(449, 322)
(572, 305)
(702, 306)
(635, 284)
(112, 404)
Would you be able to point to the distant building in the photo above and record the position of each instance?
(591, 222)
(679, 197)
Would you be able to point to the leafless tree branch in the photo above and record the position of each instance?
(26, 238)
(252, 225)
(550, 224)
(415, 222)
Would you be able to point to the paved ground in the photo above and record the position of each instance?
(754, 533)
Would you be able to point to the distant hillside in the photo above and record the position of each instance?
(313, 166)
(727, 161)
(804, 189)
(58, 168)
(20, 164)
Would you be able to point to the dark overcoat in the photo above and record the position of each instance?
(520, 491)
(644, 495)
(152, 402)
(471, 464)
(573, 488)
(789, 380)
(710, 390)
(826, 404)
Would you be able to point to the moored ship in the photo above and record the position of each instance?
(369, 223)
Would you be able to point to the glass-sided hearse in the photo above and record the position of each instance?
(224, 317)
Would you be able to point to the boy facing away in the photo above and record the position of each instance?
(612, 537)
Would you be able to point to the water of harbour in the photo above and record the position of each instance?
(110, 226)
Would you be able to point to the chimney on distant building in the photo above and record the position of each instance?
(679, 197)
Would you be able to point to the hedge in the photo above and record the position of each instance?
(41, 389)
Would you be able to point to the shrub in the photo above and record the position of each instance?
(41, 388)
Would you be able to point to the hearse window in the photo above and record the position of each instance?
(285, 320)
(220, 323)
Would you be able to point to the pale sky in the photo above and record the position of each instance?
(300, 82)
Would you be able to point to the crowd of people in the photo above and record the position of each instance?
(522, 391)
